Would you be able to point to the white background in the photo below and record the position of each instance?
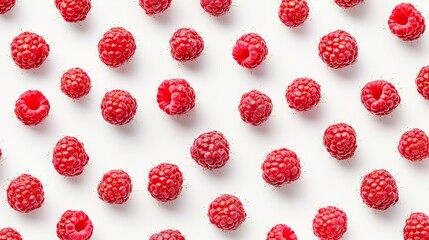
(153, 137)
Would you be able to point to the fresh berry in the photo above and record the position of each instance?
(416, 227)
(414, 145)
(338, 49)
(422, 82)
(330, 223)
(115, 187)
(25, 193)
(380, 97)
(186, 44)
(175, 96)
(6, 6)
(165, 182)
(73, 10)
(118, 107)
(348, 3)
(281, 232)
(152, 7)
(226, 212)
(281, 166)
(75, 83)
(116, 47)
(255, 107)
(250, 50)
(210, 150)
(378, 190)
(340, 141)
(216, 7)
(32, 107)
(406, 22)
(9, 234)
(293, 13)
(69, 157)
(303, 94)
(74, 225)
(168, 234)
(29, 50)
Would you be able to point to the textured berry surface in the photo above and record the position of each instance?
(414, 145)
(330, 223)
(75, 83)
(303, 94)
(152, 7)
(116, 47)
(338, 49)
(6, 5)
(293, 13)
(378, 190)
(186, 44)
(281, 232)
(380, 97)
(74, 225)
(348, 3)
(175, 96)
(422, 82)
(69, 157)
(168, 234)
(118, 107)
(73, 10)
(250, 50)
(340, 141)
(210, 150)
(32, 107)
(255, 107)
(281, 166)
(216, 7)
(406, 22)
(416, 227)
(165, 182)
(226, 212)
(25, 193)
(9, 234)
(115, 187)
(29, 50)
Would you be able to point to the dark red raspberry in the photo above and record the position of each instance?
(348, 3)
(414, 145)
(281, 166)
(422, 82)
(216, 7)
(226, 212)
(168, 234)
(165, 182)
(69, 157)
(25, 193)
(378, 190)
(406, 22)
(115, 187)
(6, 5)
(416, 227)
(210, 150)
(281, 232)
(29, 50)
(340, 141)
(75, 83)
(74, 225)
(330, 223)
(32, 107)
(293, 13)
(10, 234)
(338, 49)
(73, 10)
(175, 96)
(118, 107)
(186, 44)
(116, 47)
(303, 94)
(255, 107)
(250, 50)
(380, 97)
(152, 7)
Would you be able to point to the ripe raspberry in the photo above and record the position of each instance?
(340, 141)
(216, 7)
(75, 83)
(32, 107)
(74, 225)
(6, 5)
(165, 182)
(226, 212)
(348, 3)
(416, 227)
(69, 157)
(281, 232)
(406, 22)
(380, 97)
(115, 187)
(378, 190)
(152, 7)
(210, 150)
(330, 223)
(29, 50)
(414, 145)
(250, 50)
(168, 234)
(281, 166)
(73, 10)
(116, 47)
(303, 94)
(175, 96)
(25, 193)
(422, 82)
(338, 49)
(293, 13)
(118, 107)
(255, 107)
(186, 44)
(10, 234)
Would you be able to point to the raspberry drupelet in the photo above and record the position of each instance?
(216, 7)
(416, 227)
(250, 50)
(281, 166)
(6, 5)
(175, 96)
(116, 47)
(255, 107)
(281, 232)
(226, 212)
(74, 225)
(69, 156)
(168, 234)
(378, 190)
(32, 107)
(29, 50)
(422, 82)
(330, 223)
(115, 187)
(293, 13)
(25, 193)
(338, 49)
(210, 150)
(380, 97)
(118, 107)
(340, 141)
(152, 7)
(406, 22)
(73, 10)
(414, 145)
(348, 3)
(303, 94)
(165, 182)
(186, 45)
(75, 83)
(9, 234)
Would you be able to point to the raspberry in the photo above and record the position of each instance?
(416, 227)
(152, 7)
(25, 193)
(226, 212)
(6, 5)
(29, 50)
(10, 234)
(216, 7)
(75, 83)
(115, 187)
(378, 190)
(210, 150)
(330, 223)
(165, 182)
(293, 13)
(303, 94)
(168, 234)
(380, 97)
(281, 232)
(422, 82)
(116, 47)
(338, 49)
(175, 96)
(250, 50)
(281, 166)
(406, 22)
(255, 107)
(73, 10)
(74, 225)
(118, 107)
(69, 157)
(414, 145)
(32, 107)
(348, 3)
(340, 141)
(186, 44)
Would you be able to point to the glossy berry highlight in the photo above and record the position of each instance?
(416, 227)
(168, 234)
(293, 13)
(281, 166)
(115, 187)
(348, 3)
(73, 10)
(10, 234)
(414, 145)
(175, 96)
(406, 22)
(25, 193)
(250, 50)
(330, 223)
(75, 83)
(74, 225)
(281, 232)
(226, 212)
(303, 94)
(380, 97)
(422, 82)
(165, 182)
(210, 150)
(29, 50)
(340, 141)
(152, 7)
(338, 49)
(69, 156)
(6, 5)
(186, 45)
(116, 47)
(216, 7)
(255, 107)
(118, 107)
(379, 190)
(32, 107)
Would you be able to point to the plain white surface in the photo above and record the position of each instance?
(153, 137)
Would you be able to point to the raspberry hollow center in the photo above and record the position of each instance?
(400, 18)
(33, 102)
(377, 92)
(80, 226)
(242, 54)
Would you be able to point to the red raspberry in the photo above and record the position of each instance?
(380, 97)
(378, 190)
(281, 166)
(73, 10)
(330, 223)
(250, 50)
(226, 212)
(165, 182)
(10, 234)
(340, 141)
(293, 13)
(422, 82)
(406, 22)
(414, 145)
(25, 193)
(303, 94)
(6, 5)
(175, 96)
(255, 107)
(338, 49)
(216, 7)
(29, 50)
(118, 107)
(152, 7)
(281, 232)
(116, 47)
(75, 83)
(69, 157)
(210, 150)
(348, 3)
(115, 187)
(186, 44)
(74, 225)
(32, 107)
(168, 234)
(416, 227)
